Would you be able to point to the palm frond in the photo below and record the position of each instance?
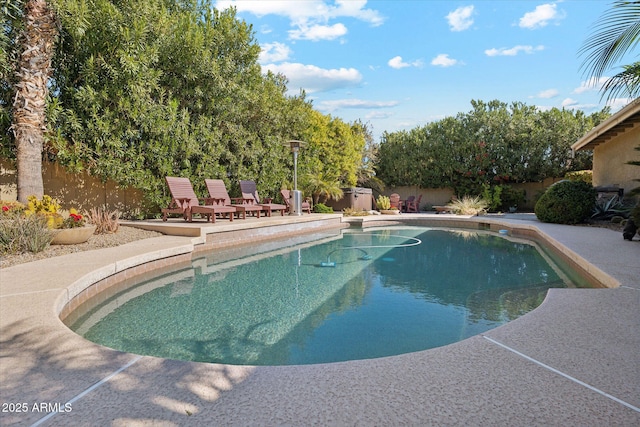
(624, 84)
(615, 33)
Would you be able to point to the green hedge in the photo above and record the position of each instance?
(566, 202)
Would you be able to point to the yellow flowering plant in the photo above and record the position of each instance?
(49, 208)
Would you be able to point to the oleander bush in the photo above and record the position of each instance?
(566, 202)
(584, 175)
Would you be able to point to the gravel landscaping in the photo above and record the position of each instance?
(97, 241)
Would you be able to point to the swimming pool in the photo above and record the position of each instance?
(360, 294)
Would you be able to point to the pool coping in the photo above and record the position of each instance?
(572, 361)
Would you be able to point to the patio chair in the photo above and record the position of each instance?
(414, 205)
(184, 201)
(218, 190)
(406, 203)
(396, 203)
(286, 195)
(250, 191)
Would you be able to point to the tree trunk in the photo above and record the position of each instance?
(29, 106)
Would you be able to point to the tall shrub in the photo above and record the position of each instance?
(493, 144)
(566, 202)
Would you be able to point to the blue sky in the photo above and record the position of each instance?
(399, 64)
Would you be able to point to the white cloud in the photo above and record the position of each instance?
(443, 60)
(513, 51)
(397, 62)
(378, 115)
(570, 104)
(274, 52)
(318, 32)
(590, 85)
(549, 93)
(460, 19)
(541, 16)
(333, 105)
(309, 18)
(618, 103)
(315, 79)
(355, 9)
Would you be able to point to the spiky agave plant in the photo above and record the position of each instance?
(468, 205)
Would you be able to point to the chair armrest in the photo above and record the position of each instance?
(182, 202)
(242, 201)
(214, 200)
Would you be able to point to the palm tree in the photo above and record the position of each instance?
(366, 173)
(323, 186)
(615, 34)
(29, 106)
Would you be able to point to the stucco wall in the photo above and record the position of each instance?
(610, 158)
(80, 191)
(83, 191)
(442, 196)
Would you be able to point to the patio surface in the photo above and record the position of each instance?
(573, 361)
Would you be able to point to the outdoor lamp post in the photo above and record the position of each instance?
(295, 205)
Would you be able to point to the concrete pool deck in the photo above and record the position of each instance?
(573, 361)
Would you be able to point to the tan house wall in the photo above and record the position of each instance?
(81, 191)
(610, 161)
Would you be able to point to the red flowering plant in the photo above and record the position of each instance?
(11, 209)
(73, 220)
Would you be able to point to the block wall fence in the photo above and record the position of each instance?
(83, 191)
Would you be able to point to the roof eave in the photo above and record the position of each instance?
(620, 122)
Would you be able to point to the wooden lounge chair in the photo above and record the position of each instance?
(286, 195)
(184, 201)
(249, 191)
(218, 190)
(413, 205)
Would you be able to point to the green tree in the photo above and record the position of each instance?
(144, 89)
(333, 155)
(493, 144)
(366, 173)
(615, 34)
(155, 88)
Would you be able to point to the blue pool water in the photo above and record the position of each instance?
(355, 295)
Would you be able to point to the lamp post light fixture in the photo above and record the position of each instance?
(295, 205)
